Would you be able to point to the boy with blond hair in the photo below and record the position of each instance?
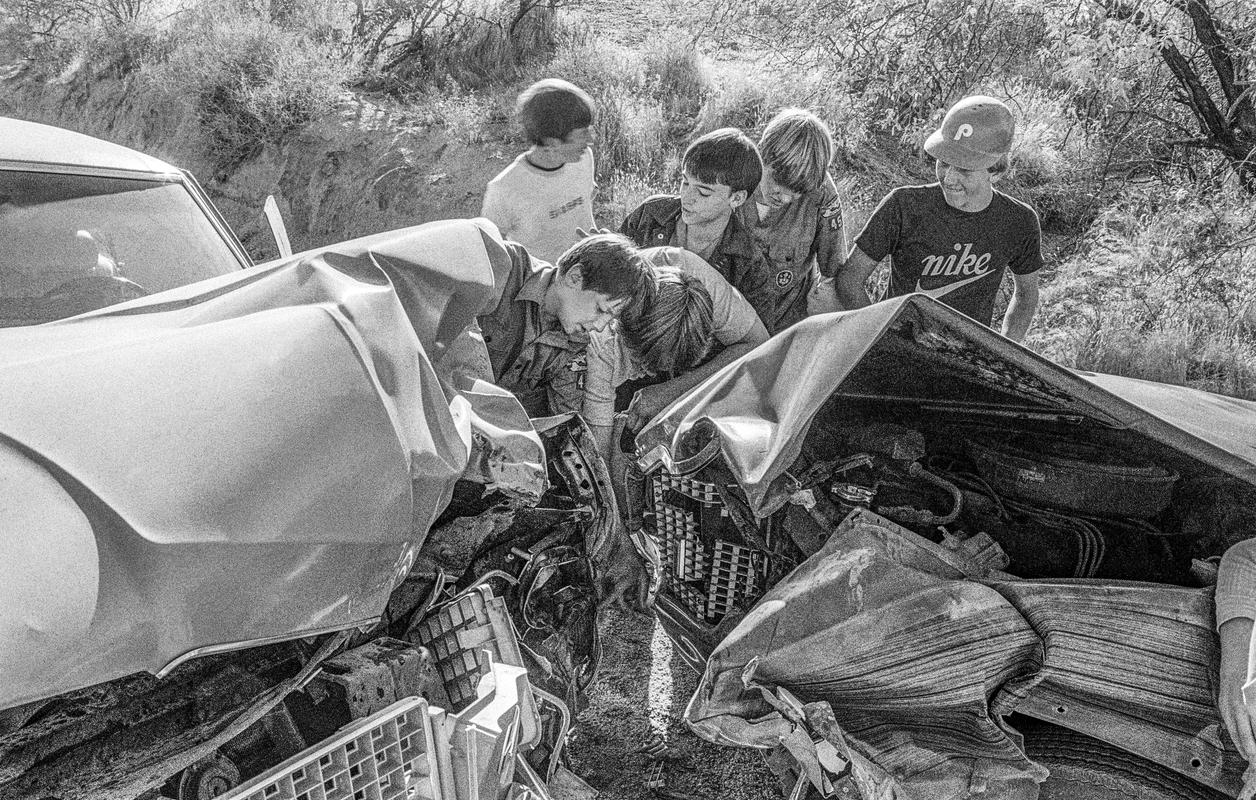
(719, 171)
(796, 216)
(546, 194)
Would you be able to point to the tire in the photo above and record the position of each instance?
(1083, 768)
(209, 778)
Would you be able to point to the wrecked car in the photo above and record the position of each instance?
(242, 512)
(87, 223)
(911, 558)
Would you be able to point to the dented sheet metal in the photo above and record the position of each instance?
(914, 660)
(903, 348)
(252, 458)
(919, 652)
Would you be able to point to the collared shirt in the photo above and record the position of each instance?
(798, 239)
(532, 356)
(735, 256)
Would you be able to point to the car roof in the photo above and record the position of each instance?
(30, 144)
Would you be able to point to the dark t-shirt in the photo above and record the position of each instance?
(955, 256)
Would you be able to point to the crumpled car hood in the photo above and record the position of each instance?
(762, 404)
(920, 652)
(250, 458)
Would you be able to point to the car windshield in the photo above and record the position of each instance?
(74, 243)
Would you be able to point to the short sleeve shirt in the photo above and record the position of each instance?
(797, 239)
(958, 257)
(542, 209)
(611, 362)
(532, 357)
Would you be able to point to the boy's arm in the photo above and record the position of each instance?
(466, 356)
(1025, 268)
(1022, 307)
(755, 284)
(830, 248)
(598, 401)
(1236, 607)
(829, 245)
(852, 277)
(650, 400)
(494, 208)
(879, 238)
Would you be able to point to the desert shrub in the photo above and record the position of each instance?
(462, 114)
(403, 46)
(620, 195)
(247, 81)
(643, 103)
(1163, 288)
(110, 37)
(1059, 164)
(677, 74)
(741, 100)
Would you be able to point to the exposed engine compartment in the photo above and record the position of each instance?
(969, 451)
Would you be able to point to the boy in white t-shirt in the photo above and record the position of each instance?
(546, 194)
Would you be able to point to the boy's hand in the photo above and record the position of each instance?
(623, 579)
(646, 403)
(583, 234)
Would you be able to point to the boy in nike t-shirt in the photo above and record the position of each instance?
(954, 239)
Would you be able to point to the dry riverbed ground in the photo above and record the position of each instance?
(638, 698)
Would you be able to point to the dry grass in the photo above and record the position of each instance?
(247, 81)
(1164, 289)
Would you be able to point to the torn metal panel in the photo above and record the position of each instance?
(915, 348)
(913, 656)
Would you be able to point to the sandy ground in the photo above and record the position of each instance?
(640, 695)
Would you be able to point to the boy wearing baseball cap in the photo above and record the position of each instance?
(954, 239)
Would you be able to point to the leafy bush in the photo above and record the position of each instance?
(403, 46)
(248, 82)
(646, 104)
(462, 115)
(1164, 288)
(740, 101)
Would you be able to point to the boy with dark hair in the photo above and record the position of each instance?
(537, 327)
(954, 239)
(796, 216)
(546, 193)
(720, 170)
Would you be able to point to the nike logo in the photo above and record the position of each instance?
(950, 287)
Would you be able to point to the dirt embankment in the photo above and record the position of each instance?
(365, 168)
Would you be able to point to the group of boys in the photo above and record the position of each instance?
(768, 219)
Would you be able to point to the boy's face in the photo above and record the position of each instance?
(773, 194)
(965, 189)
(571, 149)
(702, 203)
(580, 310)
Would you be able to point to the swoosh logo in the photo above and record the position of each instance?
(950, 287)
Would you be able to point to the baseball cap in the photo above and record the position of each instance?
(976, 132)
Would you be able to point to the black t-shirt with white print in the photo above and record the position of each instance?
(955, 256)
